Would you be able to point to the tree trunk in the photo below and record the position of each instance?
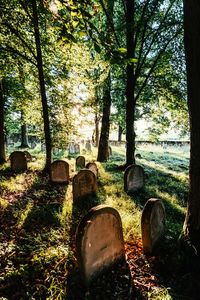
(120, 131)
(192, 50)
(2, 136)
(47, 132)
(96, 130)
(24, 139)
(105, 126)
(130, 85)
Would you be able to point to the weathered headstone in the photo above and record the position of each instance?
(28, 156)
(18, 161)
(80, 162)
(59, 172)
(43, 147)
(33, 144)
(133, 178)
(92, 167)
(71, 148)
(88, 146)
(55, 151)
(99, 241)
(109, 151)
(152, 224)
(84, 184)
(77, 148)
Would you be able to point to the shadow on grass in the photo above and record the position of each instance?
(168, 263)
(26, 224)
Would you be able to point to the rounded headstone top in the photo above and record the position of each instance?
(152, 223)
(133, 178)
(99, 241)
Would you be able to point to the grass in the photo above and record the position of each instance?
(37, 248)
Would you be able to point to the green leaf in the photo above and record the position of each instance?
(122, 50)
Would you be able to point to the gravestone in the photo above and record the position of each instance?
(93, 167)
(18, 161)
(71, 148)
(59, 172)
(84, 184)
(152, 224)
(33, 144)
(133, 178)
(99, 242)
(80, 162)
(28, 156)
(43, 147)
(88, 146)
(109, 151)
(77, 148)
(55, 151)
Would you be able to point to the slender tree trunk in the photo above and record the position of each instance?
(120, 131)
(2, 136)
(24, 139)
(96, 130)
(192, 50)
(47, 132)
(130, 85)
(105, 126)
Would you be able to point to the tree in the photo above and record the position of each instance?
(47, 131)
(24, 27)
(142, 31)
(2, 131)
(192, 49)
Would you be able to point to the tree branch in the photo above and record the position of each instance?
(155, 63)
(16, 33)
(139, 66)
(16, 52)
(110, 21)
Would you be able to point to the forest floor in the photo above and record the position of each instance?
(37, 225)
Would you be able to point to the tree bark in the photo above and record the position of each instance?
(130, 85)
(120, 131)
(24, 139)
(2, 135)
(47, 132)
(192, 50)
(96, 130)
(105, 126)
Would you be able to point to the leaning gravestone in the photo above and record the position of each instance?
(99, 242)
(18, 161)
(80, 162)
(93, 167)
(152, 224)
(59, 172)
(28, 156)
(133, 178)
(84, 184)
